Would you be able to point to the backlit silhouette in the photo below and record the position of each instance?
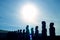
(26, 35)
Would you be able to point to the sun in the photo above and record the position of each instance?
(29, 13)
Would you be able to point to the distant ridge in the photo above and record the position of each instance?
(4, 31)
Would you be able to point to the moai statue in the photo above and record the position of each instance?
(32, 33)
(27, 29)
(52, 29)
(36, 30)
(23, 31)
(36, 33)
(20, 35)
(44, 30)
(27, 33)
(24, 34)
(18, 31)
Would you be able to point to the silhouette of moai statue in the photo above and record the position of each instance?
(18, 31)
(20, 35)
(44, 30)
(27, 33)
(24, 34)
(36, 33)
(32, 33)
(52, 29)
(27, 29)
(23, 31)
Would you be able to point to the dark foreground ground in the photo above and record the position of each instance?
(4, 36)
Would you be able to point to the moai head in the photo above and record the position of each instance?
(43, 24)
(27, 26)
(36, 28)
(20, 31)
(23, 30)
(51, 24)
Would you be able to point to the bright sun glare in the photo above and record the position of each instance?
(29, 13)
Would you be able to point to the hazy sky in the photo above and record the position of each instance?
(10, 18)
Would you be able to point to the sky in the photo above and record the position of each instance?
(10, 18)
